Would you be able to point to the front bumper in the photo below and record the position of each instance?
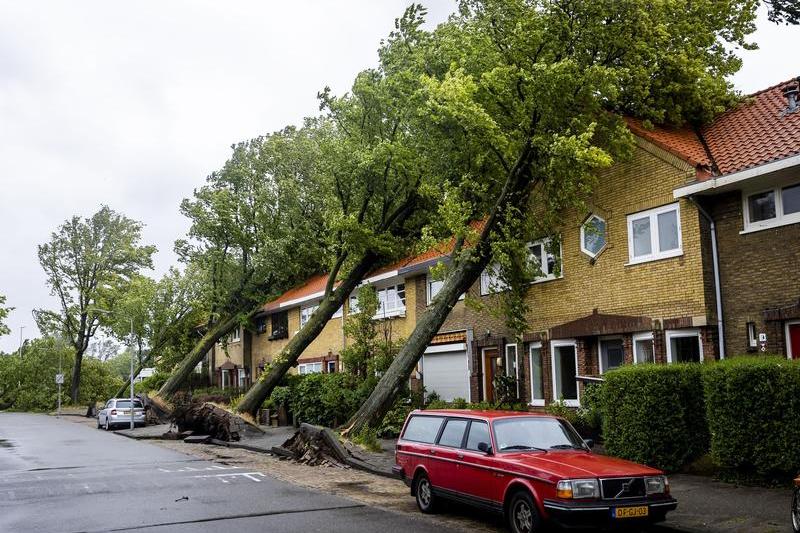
(600, 513)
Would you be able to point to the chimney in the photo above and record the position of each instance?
(791, 92)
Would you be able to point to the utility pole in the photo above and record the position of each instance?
(130, 344)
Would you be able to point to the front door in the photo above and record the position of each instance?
(793, 339)
(493, 366)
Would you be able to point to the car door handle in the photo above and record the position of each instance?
(460, 455)
(432, 451)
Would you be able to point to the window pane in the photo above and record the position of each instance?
(511, 361)
(478, 432)
(644, 351)
(761, 206)
(434, 287)
(566, 386)
(453, 433)
(685, 349)
(641, 237)
(423, 429)
(668, 231)
(612, 354)
(790, 196)
(594, 235)
(537, 386)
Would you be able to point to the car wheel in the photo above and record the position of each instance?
(523, 517)
(107, 426)
(426, 501)
(796, 510)
(98, 423)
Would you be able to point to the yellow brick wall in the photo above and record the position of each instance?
(331, 339)
(666, 288)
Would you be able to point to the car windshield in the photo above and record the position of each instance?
(121, 404)
(536, 433)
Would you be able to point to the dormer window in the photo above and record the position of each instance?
(593, 236)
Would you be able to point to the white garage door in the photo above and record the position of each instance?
(445, 372)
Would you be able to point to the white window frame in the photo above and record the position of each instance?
(779, 220)
(490, 281)
(430, 295)
(556, 344)
(390, 312)
(583, 235)
(352, 305)
(516, 363)
(491, 284)
(646, 336)
(330, 364)
(752, 335)
(535, 346)
(236, 334)
(600, 350)
(241, 378)
(309, 368)
(677, 333)
(655, 254)
(545, 242)
(306, 312)
(786, 336)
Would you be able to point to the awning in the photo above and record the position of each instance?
(601, 324)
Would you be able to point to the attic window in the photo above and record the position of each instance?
(593, 236)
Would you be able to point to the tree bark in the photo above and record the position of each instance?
(467, 270)
(185, 368)
(76, 377)
(288, 357)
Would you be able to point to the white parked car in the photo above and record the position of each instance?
(117, 412)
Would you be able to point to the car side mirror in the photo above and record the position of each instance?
(589, 443)
(485, 448)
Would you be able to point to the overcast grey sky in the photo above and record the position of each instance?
(133, 104)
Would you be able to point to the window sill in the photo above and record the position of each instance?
(536, 403)
(652, 259)
(401, 313)
(772, 225)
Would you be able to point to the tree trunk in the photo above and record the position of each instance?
(467, 270)
(185, 368)
(380, 401)
(261, 389)
(76, 377)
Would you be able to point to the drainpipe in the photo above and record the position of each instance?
(715, 261)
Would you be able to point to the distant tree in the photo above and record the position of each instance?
(4, 311)
(87, 262)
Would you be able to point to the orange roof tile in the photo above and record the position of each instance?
(755, 132)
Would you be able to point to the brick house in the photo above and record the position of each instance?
(668, 263)
(752, 194)
(230, 362)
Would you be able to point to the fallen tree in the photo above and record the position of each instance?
(539, 88)
(205, 418)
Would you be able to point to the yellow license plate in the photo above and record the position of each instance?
(631, 512)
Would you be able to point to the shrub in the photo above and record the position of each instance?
(655, 414)
(328, 399)
(753, 408)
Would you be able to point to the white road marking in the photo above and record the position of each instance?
(249, 475)
(204, 469)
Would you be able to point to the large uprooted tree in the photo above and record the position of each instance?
(255, 232)
(377, 180)
(539, 87)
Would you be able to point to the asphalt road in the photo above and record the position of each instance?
(58, 476)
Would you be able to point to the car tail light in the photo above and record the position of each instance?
(399, 447)
(113, 412)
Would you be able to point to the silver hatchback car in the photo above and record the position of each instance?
(117, 412)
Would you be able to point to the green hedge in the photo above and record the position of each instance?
(655, 414)
(328, 399)
(753, 409)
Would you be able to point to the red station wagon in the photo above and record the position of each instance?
(532, 468)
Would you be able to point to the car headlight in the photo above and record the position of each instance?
(578, 489)
(656, 485)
